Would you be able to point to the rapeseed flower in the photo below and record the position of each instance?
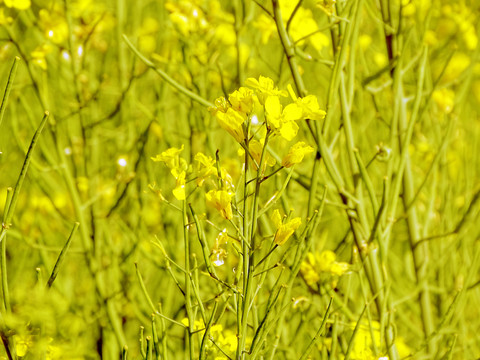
(284, 230)
(179, 190)
(54, 24)
(309, 105)
(232, 121)
(264, 87)
(220, 200)
(316, 265)
(39, 55)
(171, 158)
(296, 154)
(177, 165)
(242, 100)
(206, 167)
(18, 4)
(256, 149)
(282, 119)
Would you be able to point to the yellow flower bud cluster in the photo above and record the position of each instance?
(321, 266)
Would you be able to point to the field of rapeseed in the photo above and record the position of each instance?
(241, 179)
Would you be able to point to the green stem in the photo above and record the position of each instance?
(188, 285)
(167, 78)
(8, 88)
(289, 49)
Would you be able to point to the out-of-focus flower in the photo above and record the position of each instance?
(187, 17)
(445, 99)
(220, 200)
(458, 63)
(296, 154)
(317, 264)
(147, 35)
(23, 344)
(4, 20)
(18, 4)
(177, 165)
(303, 27)
(53, 24)
(39, 55)
(284, 230)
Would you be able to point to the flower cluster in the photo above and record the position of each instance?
(232, 115)
(322, 266)
(177, 166)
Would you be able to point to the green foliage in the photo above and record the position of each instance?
(324, 206)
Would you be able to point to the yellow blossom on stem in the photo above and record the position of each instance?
(325, 262)
(296, 153)
(179, 191)
(282, 119)
(220, 200)
(206, 167)
(256, 149)
(221, 105)
(242, 100)
(171, 157)
(232, 121)
(309, 105)
(284, 231)
(177, 165)
(264, 87)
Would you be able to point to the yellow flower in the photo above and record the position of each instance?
(147, 35)
(256, 149)
(232, 121)
(266, 26)
(39, 55)
(220, 200)
(302, 28)
(282, 119)
(284, 231)
(445, 99)
(219, 253)
(206, 167)
(221, 105)
(242, 100)
(4, 19)
(171, 157)
(179, 190)
(22, 344)
(177, 165)
(186, 16)
(18, 4)
(317, 263)
(264, 87)
(296, 153)
(309, 105)
(54, 25)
